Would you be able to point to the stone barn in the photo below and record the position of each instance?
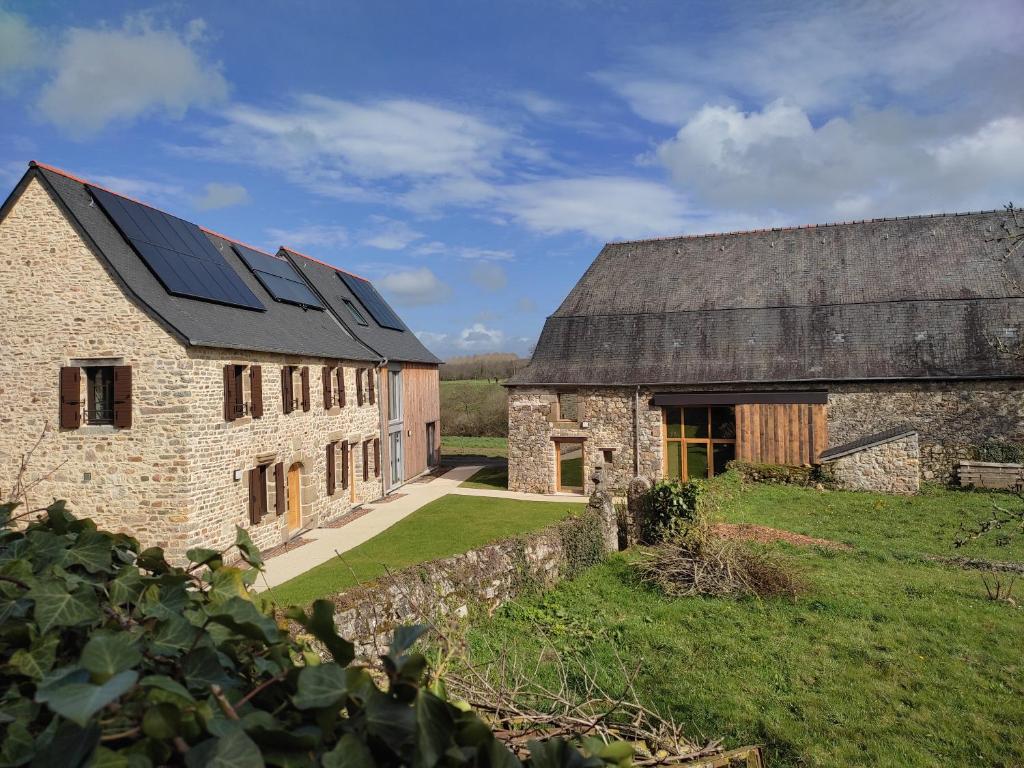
(671, 357)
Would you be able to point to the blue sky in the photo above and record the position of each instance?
(472, 157)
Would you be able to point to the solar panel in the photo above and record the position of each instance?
(373, 301)
(279, 278)
(177, 252)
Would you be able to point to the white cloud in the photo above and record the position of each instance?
(313, 236)
(431, 337)
(219, 195)
(106, 75)
(21, 46)
(480, 338)
(390, 234)
(526, 305)
(483, 254)
(414, 287)
(144, 190)
(489, 276)
(537, 104)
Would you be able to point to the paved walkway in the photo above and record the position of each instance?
(325, 542)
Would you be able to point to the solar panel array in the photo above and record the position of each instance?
(178, 253)
(279, 277)
(373, 301)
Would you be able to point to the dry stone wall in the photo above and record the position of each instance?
(890, 467)
(169, 480)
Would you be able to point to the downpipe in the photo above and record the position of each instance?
(636, 432)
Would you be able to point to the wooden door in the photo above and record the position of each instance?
(294, 498)
(569, 466)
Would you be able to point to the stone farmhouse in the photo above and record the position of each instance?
(891, 347)
(180, 383)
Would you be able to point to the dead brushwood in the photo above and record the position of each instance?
(716, 567)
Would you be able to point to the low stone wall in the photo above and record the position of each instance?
(892, 466)
(485, 578)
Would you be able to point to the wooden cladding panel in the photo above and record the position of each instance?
(421, 400)
(770, 433)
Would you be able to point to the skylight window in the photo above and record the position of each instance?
(356, 314)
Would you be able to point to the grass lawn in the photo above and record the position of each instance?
(489, 478)
(496, 447)
(888, 659)
(448, 526)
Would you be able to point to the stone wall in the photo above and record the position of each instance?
(485, 577)
(890, 467)
(951, 419)
(169, 479)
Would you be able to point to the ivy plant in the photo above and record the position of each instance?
(111, 656)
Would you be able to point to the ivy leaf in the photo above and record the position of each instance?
(91, 551)
(320, 686)
(78, 702)
(153, 560)
(173, 636)
(56, 607)
(248, 550)
(70, 747)
(162, 721)
(17, 745)
(349, 752)
(36, 661)
(404, 638)
(391, 721)
(107, 654)
(241, 616)
(320, 624)
(434, 726)
(227, 583)
(232, 750)
(126, 587)
(166, 684)
(204, 556)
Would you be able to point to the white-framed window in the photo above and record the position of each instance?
(394, 395)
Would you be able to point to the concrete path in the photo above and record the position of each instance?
(326, 542)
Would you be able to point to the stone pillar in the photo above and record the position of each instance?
(601, 503)
(635, 494)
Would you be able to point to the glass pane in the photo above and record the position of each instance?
(570, 457)
(673, 460)
(723, 454)
(696, 461)
(673, 419)
(696, 422)
(723, 422)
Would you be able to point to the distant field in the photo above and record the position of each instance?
(474, 408)
(454, 445)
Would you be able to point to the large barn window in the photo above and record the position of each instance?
(699, 440)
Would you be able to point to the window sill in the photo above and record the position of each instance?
(240, 421)
(97, 429)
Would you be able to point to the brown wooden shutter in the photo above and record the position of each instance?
(257, 490)
(70, 397)
(123, 396)
(370, 384)
(256, 384)
(376, 457)
(279, 500)
(304, 378)
(344, 464)
(330, 467)
(359, 386)
(286, 388)
(229, 393)
(366, 459)
(341, 385)
(325, 381)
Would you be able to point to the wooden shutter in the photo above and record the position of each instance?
(286, 388)
(370, 384)
(70, 397)
(279, 499)
(325, 381)
(257, 495)
(229, 393)
(366, 459)
(123, 396)
(344, 464)
(256, 384)
(330, 468)
(341, 385)
(359, 386)
(304, 378)
(376, 457)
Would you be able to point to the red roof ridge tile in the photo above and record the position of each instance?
(322, 263)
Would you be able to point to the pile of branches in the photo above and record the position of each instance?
(520, 708)
(714, 566)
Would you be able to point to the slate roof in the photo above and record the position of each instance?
(926, 297)
(395, 345)
(868, 441)
(283, 328)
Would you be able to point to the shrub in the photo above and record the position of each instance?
(669, 510)
(807, 477)
(472, 409)
(112, 656)
(1000, 453)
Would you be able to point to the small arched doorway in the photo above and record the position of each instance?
(295, 496)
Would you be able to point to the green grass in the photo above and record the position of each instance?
(572, 473)
(496, 447)
(489, 478)
(888, 659)
(448, 526)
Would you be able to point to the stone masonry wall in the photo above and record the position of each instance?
(892, 467)
(951, 419)
(169, 479)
